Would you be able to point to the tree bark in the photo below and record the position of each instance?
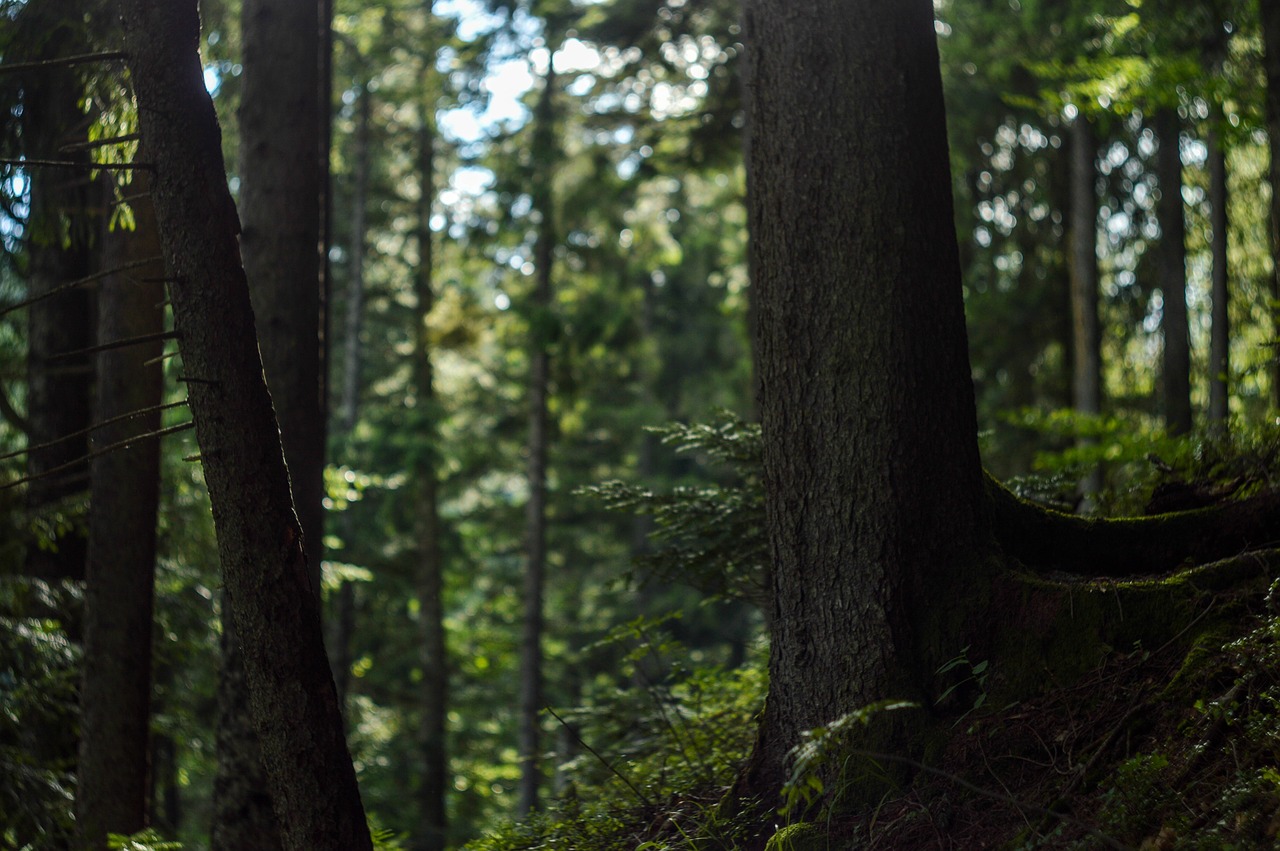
(265, 575)
(115, 689)
(531, 701)
(435, 669)
(873, 483)
(1220, 333)
(1086, 372)
(1270, 19)
(1172, 259)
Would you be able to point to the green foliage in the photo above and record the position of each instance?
(823, 756)
(711, 537)
(39, 675)
(653, 758)
(146, 840)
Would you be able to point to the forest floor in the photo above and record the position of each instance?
(1163, 748)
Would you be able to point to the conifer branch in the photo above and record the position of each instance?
(111, 421)
(78, 59)
(97, 453)
(116, 344)
(88, 166)
(99, 143)
(80, 282)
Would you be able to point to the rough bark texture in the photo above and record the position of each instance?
(536, 511)
(115, 689)
(435, 672)
(59, 388)
(872, 475)
(280, 214)
(1172, 258)
(1270, 18)
(265, 575)
(1220, 333)
(1086, 330)
(280, 207)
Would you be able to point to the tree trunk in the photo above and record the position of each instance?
(1270, 18)
(1172, 259)
(1086, 337)
(349, 407)
(540, 318)
(1220, 334)
(115, 690)
(872, 475)
(59, 388)
(435, 670)
(267, 583)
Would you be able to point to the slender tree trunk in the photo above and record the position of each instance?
(531, 700)
(267, 583)
(1173, 275)
(115, 689)
(1270, 18)
(349, 406)
(435, 669)
(1086, 337)
(872, 478)
(1220, 335)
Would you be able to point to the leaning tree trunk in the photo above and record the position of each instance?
(115, 689)
(872, 478)
(267, 582)
(280, 203)
(1172, 258)
(1270, 15)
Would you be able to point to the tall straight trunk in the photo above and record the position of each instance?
(352, 356)
(1220, 333)
(435, 671)
(1086, 330)
(59, 388)
(115, 688)
(1172, 259)
(871, 472)
(280, 201)
(268, 586)
(540, 309)
(1270, 18)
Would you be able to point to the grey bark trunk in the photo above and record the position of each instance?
(872, 479)
(531, 700)
(265, 575)
(1086, 330)
(115, 689)
(1220, 333)
(1172, 259)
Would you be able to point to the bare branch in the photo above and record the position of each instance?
(70, 285)
(87, 166)
(112, 447)
(116, 344)
(93, 428)
(79, 59)
(99, 143)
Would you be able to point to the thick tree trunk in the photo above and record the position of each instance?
(115, 690)
(1086, 330)
(873, 483)
(267, 582)
(1172, 258)
(1220, 333)
(280, 204)
(1270, 18)
(435, 670)
(531, 701)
